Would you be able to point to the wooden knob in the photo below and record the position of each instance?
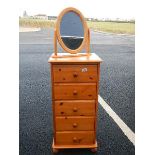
(62, 112)
(75, 74)
(61, 103)
(75, 125)
(75, 109)
(74, 92)
(75, 139)
(91, 77)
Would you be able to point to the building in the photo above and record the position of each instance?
(41, 16)
(52, 17)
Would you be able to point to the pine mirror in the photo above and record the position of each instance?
(71, 31)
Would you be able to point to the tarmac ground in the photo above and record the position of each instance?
(117, 88)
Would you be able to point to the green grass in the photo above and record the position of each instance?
(23, 22)
(112, 26)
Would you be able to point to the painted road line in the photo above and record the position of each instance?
(126, 130)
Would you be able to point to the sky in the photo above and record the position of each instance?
(124, 9)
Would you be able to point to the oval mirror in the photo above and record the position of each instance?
(71, 30)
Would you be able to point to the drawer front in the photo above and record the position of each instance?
(74, 123)
(75, 138)
(75, 108)
(75, 91)
(75, 73)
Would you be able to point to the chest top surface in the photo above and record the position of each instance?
(68, 58)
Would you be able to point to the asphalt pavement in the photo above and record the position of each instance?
(117, 88)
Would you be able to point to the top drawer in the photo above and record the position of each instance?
(75, 73)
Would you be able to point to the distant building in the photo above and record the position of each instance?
(41, 16)
(89, 19)
(52, 17)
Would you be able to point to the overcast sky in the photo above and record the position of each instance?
(89, 8)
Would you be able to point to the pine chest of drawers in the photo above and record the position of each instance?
(75, 82)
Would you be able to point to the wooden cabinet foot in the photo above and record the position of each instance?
(94, 150)
(55, 150)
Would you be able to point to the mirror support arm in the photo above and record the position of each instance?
(88, 42)
(55, 43)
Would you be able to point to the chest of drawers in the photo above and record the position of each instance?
(75, 82)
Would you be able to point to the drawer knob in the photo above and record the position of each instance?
(91, 77)
(61, 103)
(62, 112)
(74, 92)
(75, 109)
(75, 125)
(75, 139)
(75, 74)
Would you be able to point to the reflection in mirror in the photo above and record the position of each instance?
(71, 30)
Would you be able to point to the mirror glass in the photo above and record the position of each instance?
(71, 30)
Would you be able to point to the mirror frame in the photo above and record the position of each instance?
(85, 28)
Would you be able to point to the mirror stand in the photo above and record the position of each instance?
(55, 44)
(86, 47)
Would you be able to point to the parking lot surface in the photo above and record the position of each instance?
(117, 88)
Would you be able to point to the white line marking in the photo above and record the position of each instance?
(126, 130)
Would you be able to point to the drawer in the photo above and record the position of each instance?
(75, 138)
(75, 73)
(74, 123)
(75, 107)
(75, 91)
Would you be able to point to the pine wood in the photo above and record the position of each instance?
(75, 83)
(75, 102)
(94, 150)
(73, 146)
(75, 138)
(55, 43)
(74, 91)
(74, 123)
(55, 150)
(75, 108)
(86, 41)
(75, 73)
(65, 58)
